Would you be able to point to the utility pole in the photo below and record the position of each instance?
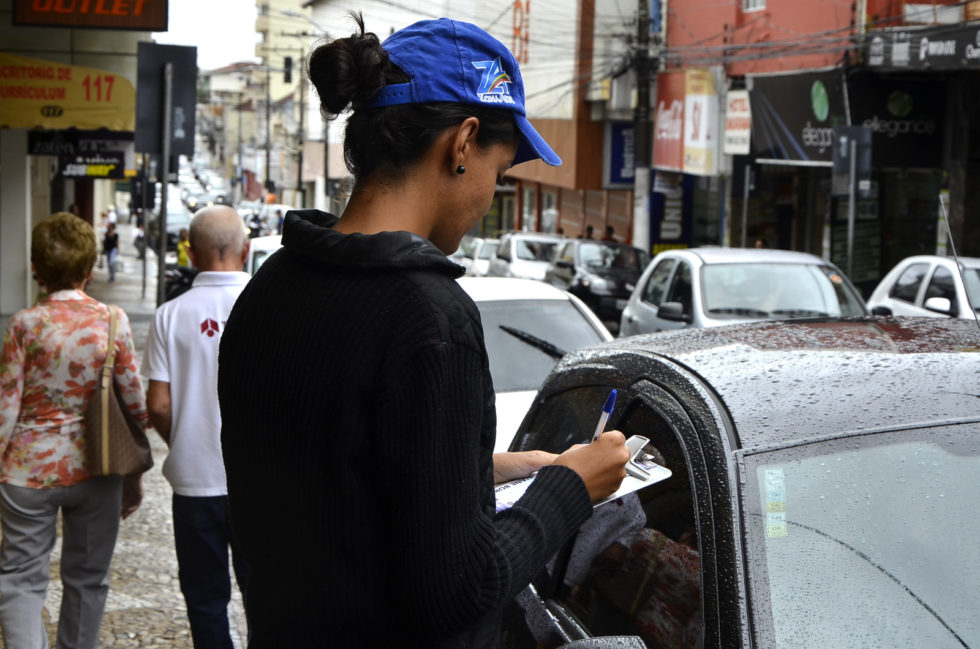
(269, 185)
(302, 110)
(641, 120)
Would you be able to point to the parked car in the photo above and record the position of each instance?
(602, 273)
(259, 250)
(527, 326)
(824, 488)
(929, 285)
(524, 254)
(482, 256)
(709, 287)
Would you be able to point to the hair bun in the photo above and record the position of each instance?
(349, 70)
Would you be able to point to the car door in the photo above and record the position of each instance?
(562, 269)
(640, 314)
(646, 564)
(499, 266)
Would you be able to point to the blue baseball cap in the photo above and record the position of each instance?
(453, 61)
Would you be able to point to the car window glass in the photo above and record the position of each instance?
(488, 249)
(520, 364)
(777, 290)
(534, 250)
(503, 251)
(635, 566)
(907, 285)
(656, 285)
(567, 253)
(258, 258)
(942, 285)
(971, 282)
(680, 287)
(869, 537)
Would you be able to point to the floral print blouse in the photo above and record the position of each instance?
(52, 355)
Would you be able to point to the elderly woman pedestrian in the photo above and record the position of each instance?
(356, 397)
(52, 355)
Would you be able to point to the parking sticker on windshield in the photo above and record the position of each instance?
(775, 487)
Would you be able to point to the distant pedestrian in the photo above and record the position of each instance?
(610, 234)
(110, 248)
(761, 243)
(587, 234)
(181, 363)
(280, 218)
(183, 249)
(52, 356)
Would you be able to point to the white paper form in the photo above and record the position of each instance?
(641, 471)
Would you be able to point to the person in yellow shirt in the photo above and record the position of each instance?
(182, 247)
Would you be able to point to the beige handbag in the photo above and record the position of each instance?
(116, 444)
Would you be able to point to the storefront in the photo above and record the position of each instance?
(790, 203)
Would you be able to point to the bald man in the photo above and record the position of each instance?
(182, 398)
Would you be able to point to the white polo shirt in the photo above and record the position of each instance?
(182, 350)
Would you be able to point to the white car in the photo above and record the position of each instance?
(524, 254)
(259, 250)
(528, 326)
(710, 287)
(929, 285)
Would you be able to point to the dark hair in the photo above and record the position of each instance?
(351, 71)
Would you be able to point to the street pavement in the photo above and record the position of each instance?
(145, 607)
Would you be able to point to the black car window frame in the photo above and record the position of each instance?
(690, 434)
(905, 292)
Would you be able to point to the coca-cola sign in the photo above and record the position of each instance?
(668, 140)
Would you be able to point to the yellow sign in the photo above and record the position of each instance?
(37, 93)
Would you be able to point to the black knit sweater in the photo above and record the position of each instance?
(358, 428)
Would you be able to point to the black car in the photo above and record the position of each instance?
(826, 475)
(602, 274)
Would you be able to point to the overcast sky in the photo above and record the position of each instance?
(223, 31)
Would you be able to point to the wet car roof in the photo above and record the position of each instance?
(783, 382)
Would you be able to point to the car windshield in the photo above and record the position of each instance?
(866, 542)
(535, 250)
(778, 291)
(610, 255)
(971, 280)
(488, 249)
(521, 362)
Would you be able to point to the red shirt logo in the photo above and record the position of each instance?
(209, 327)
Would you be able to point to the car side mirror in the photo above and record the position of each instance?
(562, 263)
(673, 311)
(940, 305)
(881, 310)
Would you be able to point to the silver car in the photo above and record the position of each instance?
(928, 285)
(710, 287)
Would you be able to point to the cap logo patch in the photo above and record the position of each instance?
(495, 84)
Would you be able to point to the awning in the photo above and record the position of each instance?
(35, 93)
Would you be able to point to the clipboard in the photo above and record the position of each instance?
(641, 471)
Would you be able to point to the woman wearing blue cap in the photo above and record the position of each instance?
(358, 434)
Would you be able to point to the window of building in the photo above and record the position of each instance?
(753, 5)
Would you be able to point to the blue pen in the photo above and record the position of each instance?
(604, 417)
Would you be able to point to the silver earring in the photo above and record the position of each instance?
(461, 170)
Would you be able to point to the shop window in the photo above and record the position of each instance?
(527, 210)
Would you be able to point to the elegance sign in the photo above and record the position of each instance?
(136, 15)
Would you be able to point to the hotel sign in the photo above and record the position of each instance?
(135, 15)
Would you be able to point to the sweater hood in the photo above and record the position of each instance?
(310, 233)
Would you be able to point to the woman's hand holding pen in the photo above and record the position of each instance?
(601, 464)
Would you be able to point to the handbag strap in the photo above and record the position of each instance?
(106, 378)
